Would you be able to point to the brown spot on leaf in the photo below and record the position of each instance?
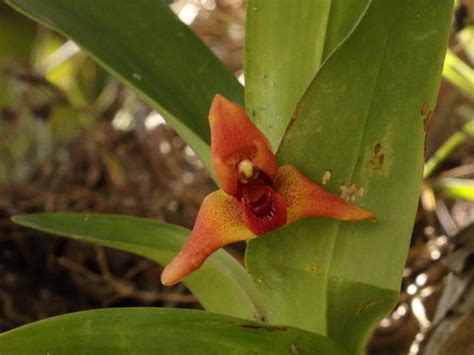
(426, 120)
(377, 148)
(376, 163)
(313, 267)
(294, 116)
(427, 114)
(424, 108)
(381, 159)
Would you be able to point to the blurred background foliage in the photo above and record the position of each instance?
(73, 138)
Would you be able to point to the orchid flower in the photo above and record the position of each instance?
(256, 195)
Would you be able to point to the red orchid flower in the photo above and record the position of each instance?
(256, 197)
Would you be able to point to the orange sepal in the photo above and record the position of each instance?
(219, 222)
(306, 199)
(234, 137)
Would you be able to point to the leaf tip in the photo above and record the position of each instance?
(18, 219)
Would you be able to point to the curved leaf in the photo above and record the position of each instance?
(343, 16)
(222, 285)
(286, 42)
(361, 122)
(159, 331)
(147, 47)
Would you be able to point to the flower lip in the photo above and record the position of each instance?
(266, 213)
(260, 205)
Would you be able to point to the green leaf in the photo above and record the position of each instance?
(451, 144)
(159, 331)
(361, 121)
(459, 74)
(457, 188)
(286, 41)
(222, 285)
(147, 47)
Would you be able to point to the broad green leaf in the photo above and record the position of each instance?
(222, 285)
(361, 122)
(286, 41)
(159, 331)
(147, 47)
(457, 188)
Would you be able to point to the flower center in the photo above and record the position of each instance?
(248, 171)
